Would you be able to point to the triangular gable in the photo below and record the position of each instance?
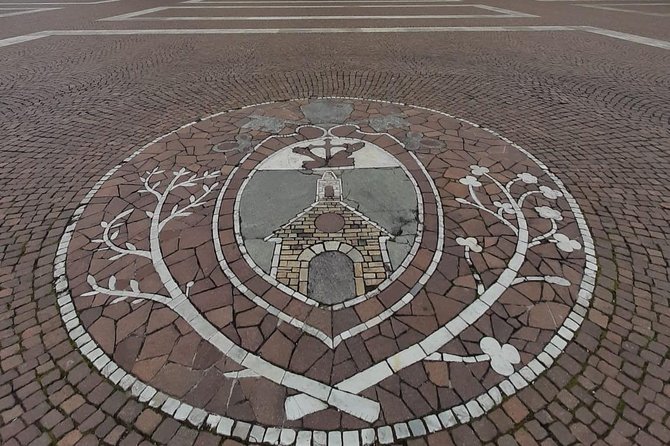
(295, 219)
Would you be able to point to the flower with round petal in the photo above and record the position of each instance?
(547, 212)
(527, 178)
(550, 193)
(506, 207)
(565, 243)
(478, 170)
(502, 357)
(470, 181)
(470, 243)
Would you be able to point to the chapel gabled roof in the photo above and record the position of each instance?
(329, 191)
(298, 218)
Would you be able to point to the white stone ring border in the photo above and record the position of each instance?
(245, 431)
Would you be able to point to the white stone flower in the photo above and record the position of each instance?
(470, 243)
(547, 212)
(478, 170)
(506, 207)
(502, 357)
(527, 178)
(565, 243)
(550, 193)
(470, 181)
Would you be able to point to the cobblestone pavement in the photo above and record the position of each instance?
(413, 222)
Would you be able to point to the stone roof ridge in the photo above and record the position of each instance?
(291, 221)
(367, 219)
(329, 190)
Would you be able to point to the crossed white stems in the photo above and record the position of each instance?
(314, 396)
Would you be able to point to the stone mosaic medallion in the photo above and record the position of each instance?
(329, 271)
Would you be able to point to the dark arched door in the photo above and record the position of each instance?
(331, 278)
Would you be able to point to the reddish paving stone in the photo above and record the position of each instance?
(515, 409)
(148, 421)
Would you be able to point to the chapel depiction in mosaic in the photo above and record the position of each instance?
(330, 226)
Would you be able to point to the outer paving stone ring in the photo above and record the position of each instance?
(329, 271)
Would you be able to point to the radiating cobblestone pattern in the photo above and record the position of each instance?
(593, 109)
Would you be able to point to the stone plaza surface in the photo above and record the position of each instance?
(345, 222)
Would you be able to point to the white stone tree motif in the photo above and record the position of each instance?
(515, 207)
(177, 300)
(180, 179)
(502, 357)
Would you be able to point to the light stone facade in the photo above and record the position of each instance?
(302, 239)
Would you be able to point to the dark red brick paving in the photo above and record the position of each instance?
(594, 109)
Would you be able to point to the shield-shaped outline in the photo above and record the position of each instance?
(330, 341)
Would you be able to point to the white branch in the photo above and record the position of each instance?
(123, 294)
(351, 403)
(365, 379)
(485, 209)
(108, 239)
(447, 357)
(556, 280)
(510, 183)
(526, 195)
(244, 373)
(540, 238)
(195, 202)
(475, 273)
(148, 187)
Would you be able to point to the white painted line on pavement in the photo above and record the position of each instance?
(14, 11)
(250, 2)
(610, 7)
(26, 38)
(324, 17)
(57, 3)
(321, 6)
(141, 15)
(663, 44)
(629, 37)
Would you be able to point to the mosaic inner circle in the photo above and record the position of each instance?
(327, 271)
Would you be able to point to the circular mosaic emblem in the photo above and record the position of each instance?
(331, 271)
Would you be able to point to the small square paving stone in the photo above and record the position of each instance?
(52, 418)
(147, 421)
(92, 421)
(62, 428)
(166, 430)
(184, 435)
(70, 439)
(207, 439)
(515, 409)
(104, 428)
(133, 438)
(114, 435)
(130, 411)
